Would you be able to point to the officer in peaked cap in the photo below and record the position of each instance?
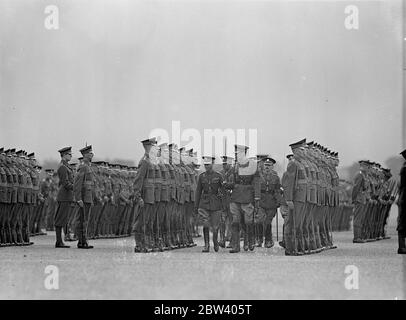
(295, 196)
(84, 192)
(245, 199)
(208, 202)
(143, 187)
(65, 195)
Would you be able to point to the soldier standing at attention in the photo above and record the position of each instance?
(295, 193)
(144, 194)
(401, 229)
(208, 202)
(84, 193)
(65, 195)
(359, 199)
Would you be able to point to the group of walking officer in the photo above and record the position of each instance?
(240, 200)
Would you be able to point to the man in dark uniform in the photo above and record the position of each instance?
(295, 192)
(65, 195)
(271, 198)
(84, 193)
(144, 185)
(245, 199)
(401, 229)
(208, 202)
(359, 199)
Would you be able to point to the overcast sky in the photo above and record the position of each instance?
(115, 70)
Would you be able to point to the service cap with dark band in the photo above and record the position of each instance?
(149, 141)
(261, 157)
(298, 144)
(65, 150)
(269, 160)
(208, 159)
(227, 159)
(86, 150)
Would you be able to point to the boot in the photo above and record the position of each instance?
(251, 237)
(260, 234)
(206, 239)
(402, 244)
(20, 239)
(222, 242)
(215, 242)
(235, 238)
(357, 236)
(59, 243)
(2, 238)
(246, 235)
(85, 246)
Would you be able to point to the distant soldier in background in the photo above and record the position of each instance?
(195, 166)
(226, 217)
(4, 200)
(40, 220)
(392, 190)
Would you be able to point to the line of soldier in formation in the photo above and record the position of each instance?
(373, 193)
(107, 199)
(113, 209)
(249, 193)
(20, 197)
(310, 186)
(162, 200)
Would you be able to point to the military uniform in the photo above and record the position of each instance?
(244, 200)
(208, 203)
(64, 197)
(84, 194)
(271, 200)
(359, 199)
(144, 192)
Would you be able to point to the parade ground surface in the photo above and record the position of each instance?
(113, 271)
